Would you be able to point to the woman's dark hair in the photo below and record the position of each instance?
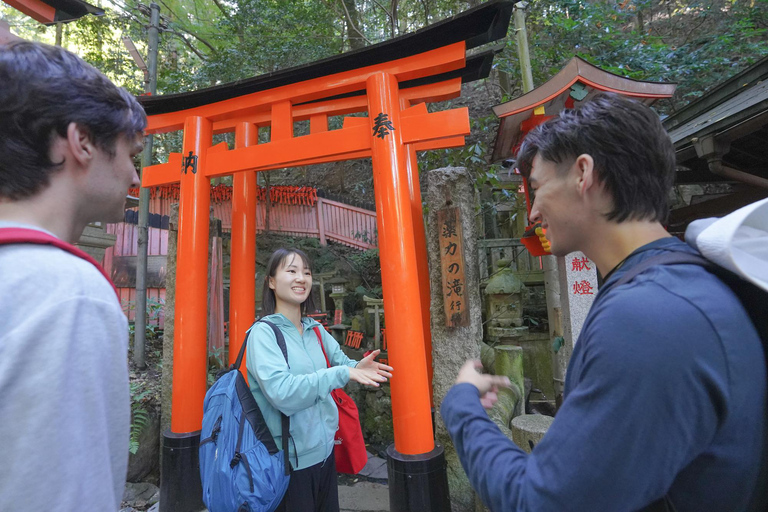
(42, 90)
(277, 260)
(633, 154)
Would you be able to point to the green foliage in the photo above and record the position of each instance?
(696, 44)
(218, 359)
(154, 308)
(366, 236)
(140, 396)
(366, 264)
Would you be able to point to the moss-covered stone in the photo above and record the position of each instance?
(357, 323)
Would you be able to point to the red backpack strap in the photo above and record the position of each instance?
(320, 340)
(33, 236)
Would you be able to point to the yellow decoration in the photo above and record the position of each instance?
(543, 239)
(539, 111)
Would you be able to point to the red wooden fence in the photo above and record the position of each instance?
(326, 220)
(126, 245)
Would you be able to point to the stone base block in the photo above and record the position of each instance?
(529, 429)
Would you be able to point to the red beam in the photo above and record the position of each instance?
(162, 174)
(441, 60)
(35, 9)
(441, 91)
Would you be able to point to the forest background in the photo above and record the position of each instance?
(696, 43)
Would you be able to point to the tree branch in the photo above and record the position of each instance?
(349, 20)
(189, 45)
(222, 9)
(389, 15)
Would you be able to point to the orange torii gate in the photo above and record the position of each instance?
(390, 81)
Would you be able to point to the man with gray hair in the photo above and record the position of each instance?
(68, 138)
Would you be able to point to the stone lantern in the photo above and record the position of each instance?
(338, 292)
(504, 297)
(337, 286)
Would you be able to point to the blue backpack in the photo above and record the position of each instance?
(240, 466)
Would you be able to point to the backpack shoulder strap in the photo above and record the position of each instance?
(665, 258)
(33, 236)
(284, 420)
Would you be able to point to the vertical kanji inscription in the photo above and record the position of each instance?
(452, 265)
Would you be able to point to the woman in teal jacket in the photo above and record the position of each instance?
(301, 389)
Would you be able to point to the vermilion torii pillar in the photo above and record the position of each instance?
(392, 84)
(242, 275)
(411, 411)
(190, 329)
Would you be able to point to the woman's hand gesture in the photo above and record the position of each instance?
(370, 372)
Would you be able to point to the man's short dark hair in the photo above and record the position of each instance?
(633, 154)
(42, 90)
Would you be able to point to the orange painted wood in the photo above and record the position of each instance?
(35, 9)
(422, 261)
(282, 121)
(290, 152)
(448, 142)
(162, 174)
(438, 125)
(427, 131)
(440, 60)
(440, 91)
(318, 123)
(411, 408)
(190, 357)
(242, 287)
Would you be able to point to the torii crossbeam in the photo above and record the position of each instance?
(391, 82)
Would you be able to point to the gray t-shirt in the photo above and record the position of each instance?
(64, 401)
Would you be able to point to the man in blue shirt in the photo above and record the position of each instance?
(666, 389)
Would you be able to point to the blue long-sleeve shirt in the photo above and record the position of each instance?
(665, 394)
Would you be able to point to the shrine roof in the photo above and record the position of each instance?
(578, 80)
(735, 115)
(49, 12)
(478, 26)
(734, 112)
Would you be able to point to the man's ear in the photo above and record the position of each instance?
(585, 172)
(80, 144)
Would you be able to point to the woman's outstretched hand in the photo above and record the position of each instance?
(370, 372)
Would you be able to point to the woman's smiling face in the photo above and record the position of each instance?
(292, 282)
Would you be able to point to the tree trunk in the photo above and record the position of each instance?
(352, 25)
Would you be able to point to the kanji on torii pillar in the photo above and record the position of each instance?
(391, 82)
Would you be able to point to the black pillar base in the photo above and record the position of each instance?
(418, 483)
(180, 487)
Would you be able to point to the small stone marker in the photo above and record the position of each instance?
(580, 289)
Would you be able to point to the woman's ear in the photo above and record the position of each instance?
(271, 282)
